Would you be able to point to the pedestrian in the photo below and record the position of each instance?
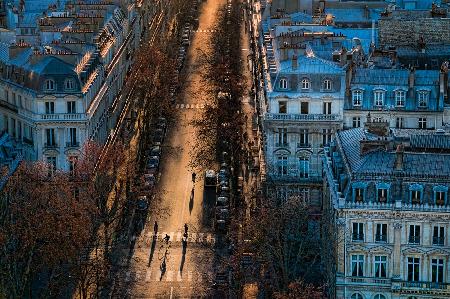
(193, 177)
(155, 227)
(185, 228)
(167, 238)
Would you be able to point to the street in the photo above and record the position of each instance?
(178, 201)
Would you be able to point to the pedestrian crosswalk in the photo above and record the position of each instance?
(205, 30)
(190, 106)
(155, 275)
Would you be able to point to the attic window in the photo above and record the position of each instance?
(69, 84)
(49, 84)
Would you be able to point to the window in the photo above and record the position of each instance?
(379, 296)
(357, 97)
(356, 122)
(304, 194)
(303, 166)
(399, 122)
(437, 270)
(326, 136)
(326, 84)
(381, 233)
(358, 231)
(422, 99)
(304, 138)
(357, 296)
(72, 164)
(414, 234)
(327, 108)
(413, 268)
(49, 84)
(400, 98)
(359, 194)
(13, 127)
(305, 83)
(49, 107)
(282, 137)
(19, 128)
(282, 165)
(69, 84)
(14, 99)
(19, 99)
(380, 266)
(72, 137)
(71, 107)
(382, 194)
(51, 161)
(282, 107)
(439, 197)
(304, 107)
(283, 83)
(422, 123)
(50, 134)
(358, 265)
(7, 95)
(438, 235)
(416, 196)
(378, 97)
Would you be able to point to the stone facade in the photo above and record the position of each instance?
(389, 214)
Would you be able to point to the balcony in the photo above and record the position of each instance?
(429, 288)
(439, 241)
(281, 144)
(50, 145)
(303, 145)
(72, 144)
(358, 237)
(414, 240)
(381, 238)
(302, 117)
(368, 280)
(64, 116)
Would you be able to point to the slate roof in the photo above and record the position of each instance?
(382, 162)
(310, 65)
(380, 76)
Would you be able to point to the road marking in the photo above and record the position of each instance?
(189, 106)
(182, 106)
(177, 106)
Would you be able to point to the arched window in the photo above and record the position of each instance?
(357, 296)
(379, 296)
(326, 84)
(69, 84)
(283, 83)
(49, 84)
(305, 83)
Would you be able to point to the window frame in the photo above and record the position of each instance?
(378, 97)
(284, 105)
(356, 122)
(357, 97)
(381, 230)
(380, 262)
(415, 264)
(358, 231)
(327, 85)
(49, 85)
(357, 265)
(305, 84)
(283, 84)
(423, 96)
(400, 95)
(437, 263)
(71, 82)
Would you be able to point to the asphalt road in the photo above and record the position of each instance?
(189, 266)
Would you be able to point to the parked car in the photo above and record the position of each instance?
(210, 178)
(162, 123)
(158, 136)
(149, 181)
(155, 151)
(222, 201)
(142, 203)
(222, 213)
(153, 163)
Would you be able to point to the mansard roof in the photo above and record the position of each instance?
(396, 77)
(381, 161)
(310, 64)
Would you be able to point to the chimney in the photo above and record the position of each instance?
(411, 81)
(294, 62)
(399, 157)
(443, 81)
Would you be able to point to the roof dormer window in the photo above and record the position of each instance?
(357, 97)
(422, 99)
(283, 83)
(326, 84)
(400, 98)
(49, 84)
(378, 97)
(69, 84)
(306, 84)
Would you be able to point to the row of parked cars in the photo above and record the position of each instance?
(153, 156)
(222, 213)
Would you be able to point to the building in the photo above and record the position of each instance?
(61, 78)
(386, 200)
(304, 94)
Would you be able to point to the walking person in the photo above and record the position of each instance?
(155, 227)
(167, 238)
(193, 177)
